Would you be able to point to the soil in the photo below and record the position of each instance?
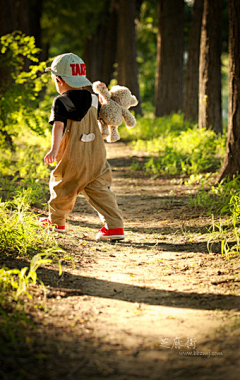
(158, 305)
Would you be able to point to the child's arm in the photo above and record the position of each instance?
(57, 133)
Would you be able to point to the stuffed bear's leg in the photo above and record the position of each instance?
(103, 129)
(114, 134)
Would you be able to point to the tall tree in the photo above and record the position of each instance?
(210, 107)
(127, 49)
(192, 74)
(169, 76)
(100, 48)
(231, 163)
(110, 46)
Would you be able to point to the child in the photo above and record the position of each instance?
(78, 148)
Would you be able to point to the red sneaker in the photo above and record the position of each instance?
(45, 222)
(112, 234)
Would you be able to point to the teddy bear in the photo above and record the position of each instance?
(114, 108)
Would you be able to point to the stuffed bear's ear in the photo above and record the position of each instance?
(134, 101)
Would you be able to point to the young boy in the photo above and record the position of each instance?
(79, 149)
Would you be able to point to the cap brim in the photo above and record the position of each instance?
(77, 82)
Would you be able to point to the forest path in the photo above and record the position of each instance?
(157, 305)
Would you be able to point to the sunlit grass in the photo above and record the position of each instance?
(176, 146)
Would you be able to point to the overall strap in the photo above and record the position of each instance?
(94, 101)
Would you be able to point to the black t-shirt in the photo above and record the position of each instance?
(72, 104)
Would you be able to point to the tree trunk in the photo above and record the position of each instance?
(23, 15)
(110, 46)
(169, 76)
(210, 107)
(127, 49)
(231, 163)
(93, 54)
(100, 50)
(192, 75)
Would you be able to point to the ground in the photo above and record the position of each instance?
(162, 304)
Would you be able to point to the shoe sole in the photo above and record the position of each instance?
(111, 237)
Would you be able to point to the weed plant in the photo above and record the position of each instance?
(222, 199)
(20, 230)
(228, 232)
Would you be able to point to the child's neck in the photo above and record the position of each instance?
(65, 87)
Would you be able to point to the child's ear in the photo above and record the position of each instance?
(60, 80)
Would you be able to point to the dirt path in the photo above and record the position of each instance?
(155, 306)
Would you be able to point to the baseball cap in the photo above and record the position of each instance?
(71, 69)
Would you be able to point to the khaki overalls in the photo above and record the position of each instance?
(82, 167)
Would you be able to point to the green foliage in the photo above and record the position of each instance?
(27, 157)
(20, 231)
(19, 88)
(31, 191)
(68, 24)
(234, 248)
(177, 146)
(229, 231)
(234, 205)
(221, 198)
(21, 235)
(20, 279)
(148, 127)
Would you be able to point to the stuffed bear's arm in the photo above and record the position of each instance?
(101, 89)
(129, 119)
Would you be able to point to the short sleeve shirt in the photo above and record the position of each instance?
(72, 104)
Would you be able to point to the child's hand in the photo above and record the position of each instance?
(104, 87)
(50, 157)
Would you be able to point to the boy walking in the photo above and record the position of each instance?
(79, 149)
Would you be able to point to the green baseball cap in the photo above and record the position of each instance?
(71, 69)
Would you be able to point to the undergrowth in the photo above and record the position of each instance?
(21, 236)
(221, 200)
(216, 198)
(228, 232)
(176, 146)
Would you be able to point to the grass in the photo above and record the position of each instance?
(21, 236)
(176, 146)
(216, 198)
(20, 230)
